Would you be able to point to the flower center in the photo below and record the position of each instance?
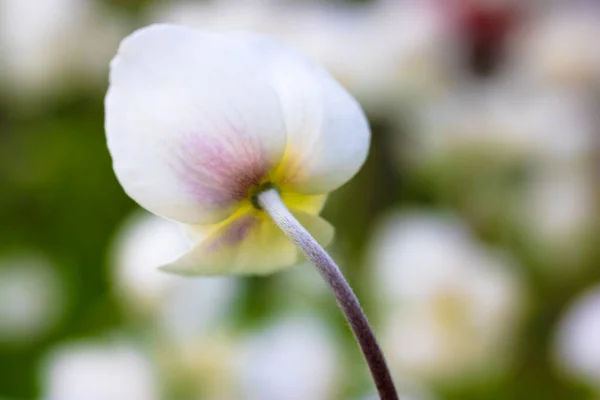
(257, 190)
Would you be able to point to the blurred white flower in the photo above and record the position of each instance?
(403, 52)
(44, 43)
(577, 341)
(558, 46)
(220, 16)
(32, 298)
(288, 359)
(198, 123)
(144, 242)
(203, 365)
(453, 305)
(34, 36)
(188, 314)
(558, 211)
(97, 371)
(522, 156)
(551, 127)
(293, 359)
(183, 307)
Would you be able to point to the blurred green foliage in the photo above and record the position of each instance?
(59, 196)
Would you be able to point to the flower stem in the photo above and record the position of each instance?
(271, 202)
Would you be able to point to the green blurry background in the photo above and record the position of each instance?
(61, 206)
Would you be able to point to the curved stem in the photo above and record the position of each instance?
(271, 202)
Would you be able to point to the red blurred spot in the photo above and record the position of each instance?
(484, 29)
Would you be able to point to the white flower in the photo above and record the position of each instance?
(533, 172)
(203, 364)
(577, 344)
(552, 127)
(383, 53)
(183, 308)
(144, 242)
(32, 298)
(559, 46)
(188, 315)
(405, 51)
(44, 43)
(97, 371)
(453, 305)
(287, 359)
(198, 123)
(221, 16)
(557, 212)
(33, 38)
(297, 360)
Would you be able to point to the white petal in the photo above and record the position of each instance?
(99, 371)
(190, 123)
(143, 243)
(32, 298)
(327, 132)
(577, 343)
(292, 352)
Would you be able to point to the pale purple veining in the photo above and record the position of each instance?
(220, 171)
(233, 234)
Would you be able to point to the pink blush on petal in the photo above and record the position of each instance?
(233, 233)
(219, 171)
